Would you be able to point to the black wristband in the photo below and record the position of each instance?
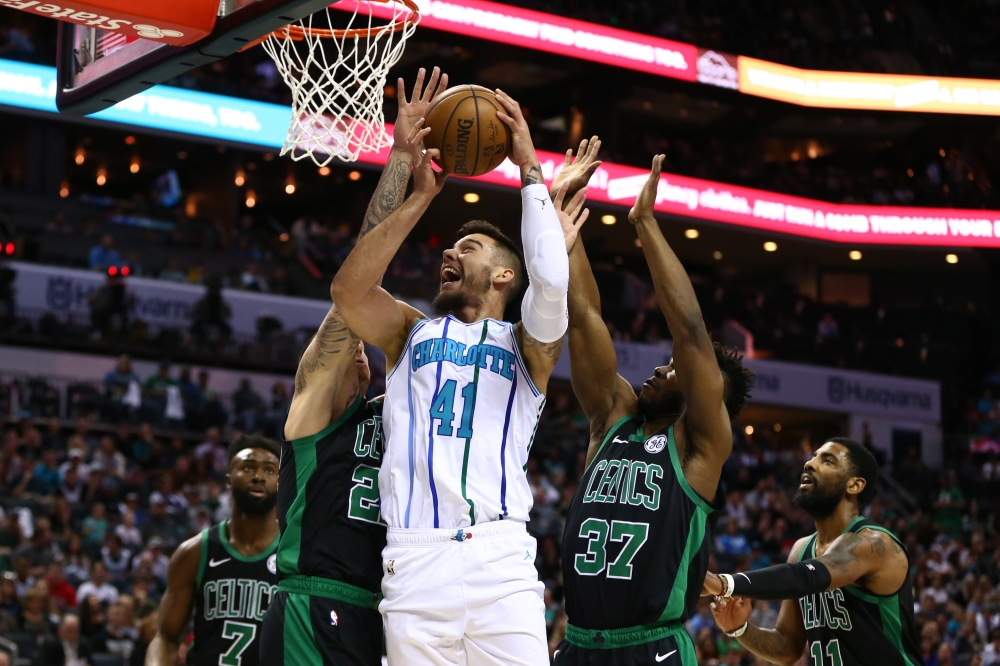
(783, 581)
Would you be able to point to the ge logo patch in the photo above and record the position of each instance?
(333, 618)
(152, 32)
(272, 563)
(656, 444)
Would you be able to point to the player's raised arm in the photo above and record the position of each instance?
(326, 380)
(604, 396)
(782, 645)
(175, 607)
(706, 421)
(543, 309)
(369, 310)
(848, 559)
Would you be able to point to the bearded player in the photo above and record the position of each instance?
(847, 595)
(226, 574)
(332, 534)
(637, 539)
(462, 402)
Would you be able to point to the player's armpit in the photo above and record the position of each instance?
(539, 357)
(175, 607)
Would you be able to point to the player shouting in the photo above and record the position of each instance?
(637, 539)
(847, 594)
(462, 402)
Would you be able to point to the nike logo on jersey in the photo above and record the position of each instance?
(212, 563)
(659, 658)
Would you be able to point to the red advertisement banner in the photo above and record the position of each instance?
(768, 211)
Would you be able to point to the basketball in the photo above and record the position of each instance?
(465, 128)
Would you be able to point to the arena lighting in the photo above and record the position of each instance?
(134, 166)
(770, 246)
(102, 176)
(777, 427)
(240, 178)
(64, 190)
(264, 127)
(251, 200)
(112, 270)
(691, 233)
(354, 175)
(748, 430)
(290, 184)
(608, 219)
(717, 255)
(81, 156)
(324, 171)
(855, 255)
(129, 140)
(951, 258)
(9, 248)
(470, 197)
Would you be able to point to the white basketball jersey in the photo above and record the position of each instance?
(459, 416)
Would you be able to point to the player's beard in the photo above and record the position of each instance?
(474, 286)
(822, 500)
(253, 506)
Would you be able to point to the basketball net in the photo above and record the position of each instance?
(337, 77)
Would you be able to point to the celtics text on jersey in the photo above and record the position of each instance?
(638, 537)
(851, 626)
(232, 593)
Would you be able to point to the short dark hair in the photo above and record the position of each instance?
(253, 442)
(863, 464)
(505, 253)
(739, 380)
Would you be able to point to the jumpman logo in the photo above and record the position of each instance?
(542, 200)
(527, 555)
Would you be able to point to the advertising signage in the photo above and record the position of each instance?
(251, 123)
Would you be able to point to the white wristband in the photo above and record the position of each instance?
(727, 585)
(739, 632)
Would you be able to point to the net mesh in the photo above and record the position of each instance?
(337, 78)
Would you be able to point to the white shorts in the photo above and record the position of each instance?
(469, 597)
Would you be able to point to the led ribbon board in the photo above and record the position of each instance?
(187, 112)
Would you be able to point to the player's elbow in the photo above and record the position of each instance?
(341, 292)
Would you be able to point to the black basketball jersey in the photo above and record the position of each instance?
(638, 537)
(231, 596)
(851, 626)
(328, 501)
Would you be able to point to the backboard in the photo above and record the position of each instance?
(98, 68)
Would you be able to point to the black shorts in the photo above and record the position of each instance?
(673, 650)
(304, 629)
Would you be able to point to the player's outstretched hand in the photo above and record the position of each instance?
(578, 173)
(571, 213)
(426, 181)
(643, 207)
(416, 108)
(731, 613)
(522, 150)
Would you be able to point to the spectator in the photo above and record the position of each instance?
(35, 617)
(129, 534)
(122, 390)
(108, 459)
(68, 648)
(96, 524)
(828, 327)
(731, 542)
(41, 550)
(45, 477)
(24, 580)
(213, 453)
(76, 564)
(72, 487)
(210, 318)
(59, 588)
(75, 456)
(104, 255)
(161, 524)
(155, 557)
(98, 586)
(247, 406)
(118, 636)
(252, 279)
(116, 558)
(109, 309)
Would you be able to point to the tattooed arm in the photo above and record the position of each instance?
(870, 559)
(782, 645)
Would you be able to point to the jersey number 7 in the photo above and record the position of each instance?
(243, 634)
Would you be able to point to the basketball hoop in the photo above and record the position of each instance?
(337, 77)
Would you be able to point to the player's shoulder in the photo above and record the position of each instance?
(410, 314)
(881, 540)
(797, 549)
(186, 560)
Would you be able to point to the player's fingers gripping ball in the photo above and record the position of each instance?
(466, 130)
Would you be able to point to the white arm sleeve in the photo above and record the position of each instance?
(544, 308)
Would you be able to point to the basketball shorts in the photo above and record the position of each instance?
(469, 597)
(668, 645)
(316, 627)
